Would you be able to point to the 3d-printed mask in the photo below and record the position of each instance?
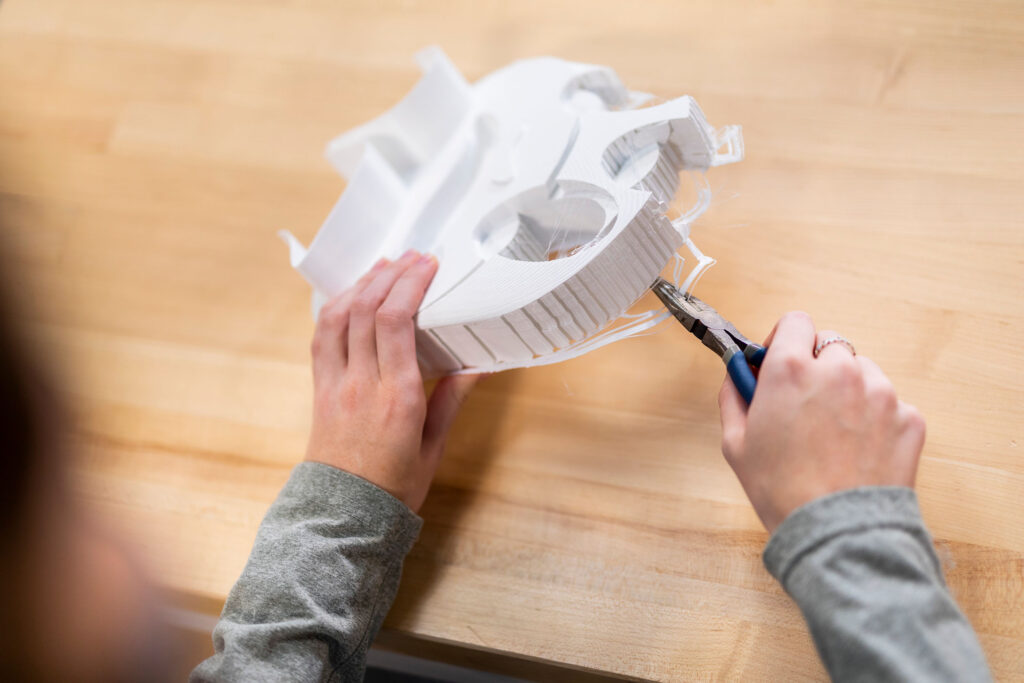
(543, 191)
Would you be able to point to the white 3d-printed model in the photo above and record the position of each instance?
(543, 191)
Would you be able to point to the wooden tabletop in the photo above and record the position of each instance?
(583, 515)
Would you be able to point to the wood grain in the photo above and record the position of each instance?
(583, 516)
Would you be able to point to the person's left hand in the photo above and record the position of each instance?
(371, 415)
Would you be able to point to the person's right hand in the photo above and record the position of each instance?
(816, 425)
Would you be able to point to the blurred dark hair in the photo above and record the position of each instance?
(24, 397)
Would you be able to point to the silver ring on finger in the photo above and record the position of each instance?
(835, 339)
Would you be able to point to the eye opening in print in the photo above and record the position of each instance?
(541, 225)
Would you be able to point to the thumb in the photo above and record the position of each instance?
(734, 419)
(444, 404)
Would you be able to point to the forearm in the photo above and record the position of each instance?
(322, 575)
(861, 566)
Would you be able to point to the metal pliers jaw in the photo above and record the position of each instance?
(718, 334)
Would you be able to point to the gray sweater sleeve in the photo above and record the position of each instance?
(861, 566)
(320, 579)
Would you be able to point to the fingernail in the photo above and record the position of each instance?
(409, 255)
(427, 258)
(378, 265)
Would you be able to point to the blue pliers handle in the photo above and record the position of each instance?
(718, 334)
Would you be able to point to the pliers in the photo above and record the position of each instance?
(717, 333)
